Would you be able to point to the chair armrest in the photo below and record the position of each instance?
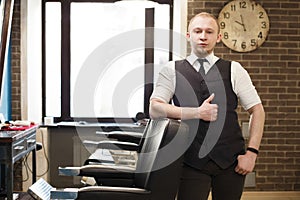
(118, 145)
(113, 189)
(67, 193)
(108, 171)
(103, 171)
(112, 145)
(113, 193)
(125, 136)
(99, 192)
(69, 171)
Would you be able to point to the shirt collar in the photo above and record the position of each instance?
(211, 58)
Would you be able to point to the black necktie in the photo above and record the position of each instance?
(201, 70)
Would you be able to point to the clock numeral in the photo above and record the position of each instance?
(222, 25)
(226, 36)
(263, 25)
(260, 35)
(226, 15)
(233, 8)
(261, 15)
(234, 42)
(253, 42)
(243, 4)
(243, 45)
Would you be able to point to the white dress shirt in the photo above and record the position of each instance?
(240, 79)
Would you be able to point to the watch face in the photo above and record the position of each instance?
(244, 25)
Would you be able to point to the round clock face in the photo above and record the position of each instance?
(244, 25)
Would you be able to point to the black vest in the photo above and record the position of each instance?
(221, 140)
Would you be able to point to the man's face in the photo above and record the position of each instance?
(203, 35)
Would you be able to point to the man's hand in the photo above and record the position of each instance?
(246, 163)
(208, 111)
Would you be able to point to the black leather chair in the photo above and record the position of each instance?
(105, 151)
(157, 171)
(117, 140)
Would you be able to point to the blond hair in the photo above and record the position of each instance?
(204, 14)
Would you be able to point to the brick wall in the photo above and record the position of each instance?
(275, 71)
(15, 63)
(16, 84)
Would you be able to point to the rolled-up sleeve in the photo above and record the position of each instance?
(165, 85)
(243, 87)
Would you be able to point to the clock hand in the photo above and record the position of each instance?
(243, 23)
(239, 23)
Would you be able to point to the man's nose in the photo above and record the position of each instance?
(202, 35)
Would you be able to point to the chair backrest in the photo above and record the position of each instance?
(160, 159)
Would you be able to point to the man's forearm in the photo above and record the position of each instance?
(256, 125)
(160, 109)
(206, 111)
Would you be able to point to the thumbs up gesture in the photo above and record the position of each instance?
(208, 111)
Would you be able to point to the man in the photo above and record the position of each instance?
(205, 91)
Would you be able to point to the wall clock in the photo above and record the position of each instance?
(244, 25)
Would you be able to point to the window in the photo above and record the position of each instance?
(96, 63)
(53, 58)
(112, 54)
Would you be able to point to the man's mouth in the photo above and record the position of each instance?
(203, 45)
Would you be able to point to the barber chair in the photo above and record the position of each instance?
(120, 149)
(127, 136)
(157, 171)
(117, 140)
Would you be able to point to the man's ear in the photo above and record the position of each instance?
(219, 37)
(188, 36)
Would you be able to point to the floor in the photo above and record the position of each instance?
(270, 196)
